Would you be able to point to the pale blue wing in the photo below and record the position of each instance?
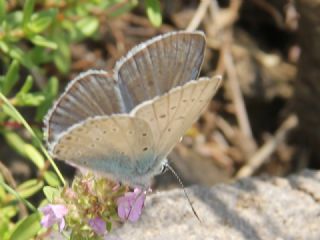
(172, 114)
(155, 66)
(93, 93)
(119, 146)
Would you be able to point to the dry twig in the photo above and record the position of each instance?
(268, 148)
(199, 15)
(241, 112)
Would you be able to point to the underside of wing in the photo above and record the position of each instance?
(120, 146)
(93, 93)
(158, 65)
(170, 115)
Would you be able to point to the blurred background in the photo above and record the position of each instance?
(263, 120)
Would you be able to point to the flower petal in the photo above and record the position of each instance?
(47, 221)
(98, 225)
(59, 210)
(61, 224)
(130, 205)
(136, 208)
(53, 214)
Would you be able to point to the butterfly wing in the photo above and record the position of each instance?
(170, 115)
(120, 146)
(155, 66)
(93, 93)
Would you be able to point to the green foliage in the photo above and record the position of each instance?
(35, 35)
(27, 228)
(154, 12)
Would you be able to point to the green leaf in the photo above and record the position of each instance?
(62, 57)
(43, 42)
(39, 57)
(42, 20)
(21, 56)
(4, 46)
(88, 25)
(15, 141)
(2, 10)
(9, 211)
(51, 193)
(26, 86)
(27, 228)
(14, 19)
(4, 226)
(154, 12)
(52, 179)
(109, 226)
(16, 194)
(125, 7)
(2, 194)
(50, 92)
(27, 11)
(29, 99)
(30, 130)
(34, 155)
(29, 188)
(11, 77)
(24, 149)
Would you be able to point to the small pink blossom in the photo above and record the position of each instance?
(70, 194)
(98, 225)
(88, 185)
(53, 214)
(131, 204)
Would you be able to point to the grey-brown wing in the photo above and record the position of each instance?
(158, 65)
(93, 93)
(120, 146)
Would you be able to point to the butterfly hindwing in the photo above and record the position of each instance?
(119, 145)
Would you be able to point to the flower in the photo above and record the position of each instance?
(70, 194)
(130, 205)
(98, 225)
(53, 214)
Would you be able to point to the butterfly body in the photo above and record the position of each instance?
(124, 125)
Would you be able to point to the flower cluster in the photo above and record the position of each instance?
(91, 206)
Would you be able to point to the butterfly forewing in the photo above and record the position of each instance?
(93, 93)
(154, 67)
(172, 114)
(119, 145)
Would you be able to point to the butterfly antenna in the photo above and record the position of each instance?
(184, 190)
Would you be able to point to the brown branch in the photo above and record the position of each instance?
(262, 155)
(241, 112)
(199, 15)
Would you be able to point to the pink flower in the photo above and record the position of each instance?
(98, 225)
(131, 204)
(53, 214)
(70, 194)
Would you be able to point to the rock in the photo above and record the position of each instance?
(253, 208)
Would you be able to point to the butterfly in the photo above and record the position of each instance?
(123, 124)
